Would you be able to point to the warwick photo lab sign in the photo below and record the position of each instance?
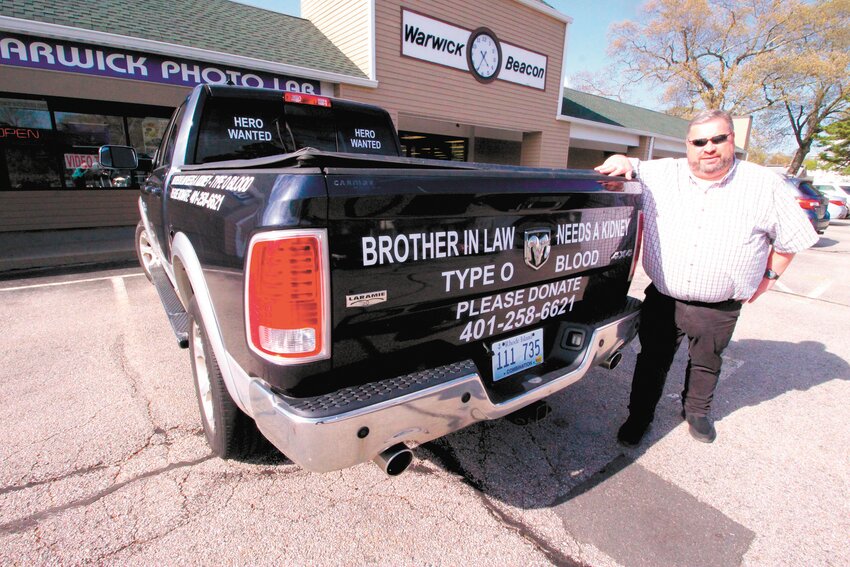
(477, 51)
(72, 57)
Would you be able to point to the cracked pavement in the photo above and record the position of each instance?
(104, 460)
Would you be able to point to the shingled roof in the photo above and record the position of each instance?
(606, 111)
(213, 25)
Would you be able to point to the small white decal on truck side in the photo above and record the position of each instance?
(365, 299)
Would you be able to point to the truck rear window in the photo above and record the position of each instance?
(366, 132)
(240, 128)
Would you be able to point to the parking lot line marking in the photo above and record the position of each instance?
(820, 289)
(69, 282)
(120, 290)
(818, 299)
(782, 286)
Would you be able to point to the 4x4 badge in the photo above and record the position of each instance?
(538, 244)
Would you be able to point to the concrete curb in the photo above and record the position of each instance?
(21, 251)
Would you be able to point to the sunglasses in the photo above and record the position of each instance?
(719, 139)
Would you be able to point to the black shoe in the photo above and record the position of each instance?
(632, 431)
(701, 428)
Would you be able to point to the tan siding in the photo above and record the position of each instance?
(532, 143)
(414, 87)
(50, 83)
(642, 150)
(347, 24)
(41, 210)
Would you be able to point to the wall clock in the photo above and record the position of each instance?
(484, 55)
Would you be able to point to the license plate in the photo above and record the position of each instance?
(517, 353)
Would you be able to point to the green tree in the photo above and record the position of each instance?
(835, 141)
(811, 163)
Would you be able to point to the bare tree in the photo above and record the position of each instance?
(705, 53)
(786, 61)
(808, 83)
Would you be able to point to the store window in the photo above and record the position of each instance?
(52, 142)
(167, 145)
(433, 146)
(27, 153)
(21, 113)
(146, 134)
(82, 135)
(83, 130)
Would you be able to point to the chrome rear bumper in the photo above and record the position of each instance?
(342, 440)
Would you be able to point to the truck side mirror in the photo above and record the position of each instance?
(118, 157)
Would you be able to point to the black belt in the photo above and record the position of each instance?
(727, 305)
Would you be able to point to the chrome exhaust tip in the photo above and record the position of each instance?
(395, 460)
(612, 361)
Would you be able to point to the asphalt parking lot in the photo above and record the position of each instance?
(104, 461)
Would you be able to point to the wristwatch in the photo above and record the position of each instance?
(770, 274)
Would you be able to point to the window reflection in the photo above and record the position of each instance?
(27, 159)
(30, 167)
(146, 133)
(22, 113)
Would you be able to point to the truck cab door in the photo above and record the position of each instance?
(154, 188)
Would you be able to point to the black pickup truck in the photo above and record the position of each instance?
(347, 303)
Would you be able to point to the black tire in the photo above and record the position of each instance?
(230, 433)
(144, 250)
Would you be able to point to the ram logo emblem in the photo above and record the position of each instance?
(538, 245)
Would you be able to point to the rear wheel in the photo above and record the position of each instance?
(144, 250)
(229, 432)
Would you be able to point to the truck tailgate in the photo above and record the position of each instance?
(430, 267)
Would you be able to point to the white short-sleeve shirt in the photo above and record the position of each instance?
(710, 242)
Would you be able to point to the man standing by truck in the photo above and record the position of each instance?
(718, 232)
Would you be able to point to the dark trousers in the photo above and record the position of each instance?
(664, 321)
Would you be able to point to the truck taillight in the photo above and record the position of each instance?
(638, 242)
(287, 307)
(300, 98)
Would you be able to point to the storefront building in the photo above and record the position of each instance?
(470, 81)
(601, 126)
(462, 80)
(73, 78)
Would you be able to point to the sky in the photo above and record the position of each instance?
(587, 36)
